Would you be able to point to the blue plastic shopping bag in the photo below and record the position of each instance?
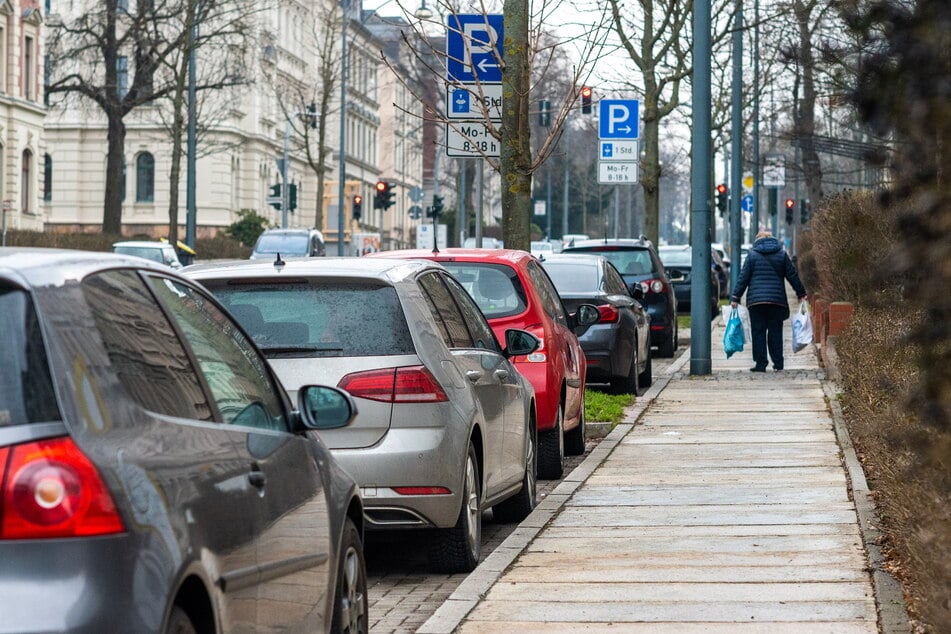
(733, 338)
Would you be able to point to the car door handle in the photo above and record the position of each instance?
(473, 375)
(501, 375)
(257, 478)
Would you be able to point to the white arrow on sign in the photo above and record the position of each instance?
(484, 65)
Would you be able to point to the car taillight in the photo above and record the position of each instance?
(609, 314)
(539, 356)
(50, 489)
(652, 286)
(413, 384)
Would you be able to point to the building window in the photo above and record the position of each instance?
(122, 76)
(28, 68)
(25, 181)
(145, 178)
(47, 178)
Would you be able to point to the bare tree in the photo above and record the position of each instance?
(89, 53)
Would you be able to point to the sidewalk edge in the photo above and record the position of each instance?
(474, 587)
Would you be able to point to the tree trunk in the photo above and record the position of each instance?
(516, 152)
(651, 169)
(806, 122)
(112, 205)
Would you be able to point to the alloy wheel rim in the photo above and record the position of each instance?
(353, 608)
(530, 467)
(472, 506)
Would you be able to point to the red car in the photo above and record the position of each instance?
(514, 291)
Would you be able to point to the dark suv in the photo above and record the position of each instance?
(637, 262)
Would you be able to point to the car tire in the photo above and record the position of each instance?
(551, 449)
(627, 384)
(179, 622)
(457, 549)
(646, 378)
(574, 439)
(351, 603)
(518, 507)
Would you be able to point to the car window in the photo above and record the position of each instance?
(496, 289)
(26, 390)
(288, 245)
(613, 282)
(481, 332)
(237, 376)
(156, 254)
(676, 257)
(318, 317)
(573, 277)
(447, 310)
(627, 260)
(144, 350)
(549, 295)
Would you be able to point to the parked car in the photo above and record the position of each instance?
(161, 252)
(570, 238)
(155, 477)
(541, 248)
(513, 291)
(678, 260)
(618, 347)
(447, 424)
(638, 264)
(487, 243)
(721, 267)
(289, 243)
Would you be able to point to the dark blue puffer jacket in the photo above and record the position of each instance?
(764, 273)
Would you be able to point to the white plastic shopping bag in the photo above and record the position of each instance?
(727, 310)
(801, 328)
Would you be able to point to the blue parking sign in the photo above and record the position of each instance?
(618, 119)
(474, 47)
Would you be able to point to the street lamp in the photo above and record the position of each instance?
(423, 12)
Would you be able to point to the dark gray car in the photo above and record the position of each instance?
(155, 477)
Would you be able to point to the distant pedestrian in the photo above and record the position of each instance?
(764, 274)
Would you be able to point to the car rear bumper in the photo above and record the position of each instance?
(601, 351)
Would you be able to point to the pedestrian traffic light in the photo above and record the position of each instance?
(356, 208)
(379, 199)
(722, 195)
(276, 198)
(805, 211)
(586, 99)
(292, 197)
(544, 113)
(790, 206)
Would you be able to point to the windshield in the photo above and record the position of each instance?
(494, 287)
(573, 278)
(676, 257)
(149, 253)
(26, 391)
(626, 261)
(285, 244)
(318, 317)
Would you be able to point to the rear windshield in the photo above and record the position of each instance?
(680, 257)
(495, 288)
(573, 278)
(285, 244)
(26, 391)
(627, 261)
(149, 253)
(302, 318)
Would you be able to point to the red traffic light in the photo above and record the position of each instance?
(586, 92)
(790, 203)
(357, 199)
(381, 186)
(721, 188)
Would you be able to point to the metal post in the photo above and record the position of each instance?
(736, 173)
(617, 210)
(479, 210)
(548, 201)
(191, 207)
(341, 187)
(285, 187)
(701, 189)
(3, 230)
(774, 210)
(757, 171)
(463, 221)
(564, 200)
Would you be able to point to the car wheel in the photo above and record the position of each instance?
(350, 597)
(646, 378)
(517, 507)
(179, 622)
(627, 384)
(457, 549)
(551, 449)
(574, 439)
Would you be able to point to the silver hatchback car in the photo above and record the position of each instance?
(446, 426)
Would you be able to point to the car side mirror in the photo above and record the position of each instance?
(325, 407)
(520, 342)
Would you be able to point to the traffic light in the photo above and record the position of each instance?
(356, 208)
(790, 205)
(437, 207)
(544, 113)
(379, 198)
(586, 99)
(312, 114)
(276, 197)
(805, 211)
(722, 198)
(292, 197)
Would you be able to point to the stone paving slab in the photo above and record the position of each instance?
(657, 592)
(709, 515)
(814, 627)
(644, 476)
(672, 532)
(737, 495)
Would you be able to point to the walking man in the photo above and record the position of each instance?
(764, 275)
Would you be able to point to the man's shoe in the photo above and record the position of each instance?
(757, 368)
(775, 369)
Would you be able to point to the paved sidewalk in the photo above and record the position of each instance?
(720, 504)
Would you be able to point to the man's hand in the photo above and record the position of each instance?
(732, 304)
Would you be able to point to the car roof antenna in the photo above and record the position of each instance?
(279, 263)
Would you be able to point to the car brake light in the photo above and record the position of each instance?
(652, 286)
(413, 384)
(609, 314)
(50, 489)
(539, 355)
(422, 490)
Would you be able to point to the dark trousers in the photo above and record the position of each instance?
(766, 324)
